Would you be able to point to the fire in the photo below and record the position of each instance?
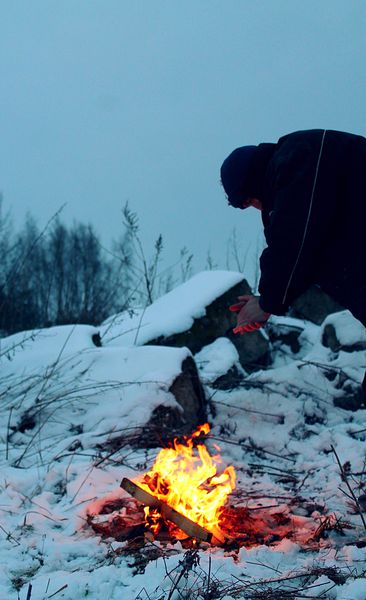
(186, 478)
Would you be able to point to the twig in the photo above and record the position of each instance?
(37, 512)
(263, 466)
(58, 591)
(262, 564)
(302, 483)
(9, 536)
(345, 479)
(289, 477)
(102, 460)
(7, 352)
(209, 575)
(8, 434)
(82, 483)
(329, 368)
(251, 508)
(190, 560)
(138, 597)
(47, 378)
(251, 448)
(248, 410)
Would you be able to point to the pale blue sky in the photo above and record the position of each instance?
(141, 100)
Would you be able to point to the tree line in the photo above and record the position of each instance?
(63, 274)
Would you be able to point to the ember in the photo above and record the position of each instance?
(186, 478)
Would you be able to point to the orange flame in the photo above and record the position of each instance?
(186, 478)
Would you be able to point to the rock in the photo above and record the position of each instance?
(97, 340)
(218, 321)
(190, 396)
(285, 331)
(314, 305)
(329, 338)
(352, 399)
(253, 349)
(188, 392)
(218, 365)
(216, 359)
(175, 313)
(192, 315)
(168, 421)
(342, 331)
(230, 380)
(347, 394)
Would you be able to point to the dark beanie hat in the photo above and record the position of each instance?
(235, 172)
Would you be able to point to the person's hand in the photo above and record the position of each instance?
(250, 315)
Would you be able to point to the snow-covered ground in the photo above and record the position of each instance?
(63, 400)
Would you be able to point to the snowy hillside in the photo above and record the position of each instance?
(74, 414)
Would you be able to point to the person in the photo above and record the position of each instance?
(310, 187)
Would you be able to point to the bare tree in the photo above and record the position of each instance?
(62, 274)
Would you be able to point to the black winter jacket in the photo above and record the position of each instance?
(313, 188)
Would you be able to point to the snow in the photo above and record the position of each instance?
(355, 590)
(277, 430)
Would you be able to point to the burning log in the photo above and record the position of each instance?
(189, 527)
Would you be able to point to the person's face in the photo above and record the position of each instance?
(253, 202)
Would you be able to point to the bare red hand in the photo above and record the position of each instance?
(236, 307)
(251, 316)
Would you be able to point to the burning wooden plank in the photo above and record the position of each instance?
(189, 527)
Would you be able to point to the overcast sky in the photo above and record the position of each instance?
(113, 100)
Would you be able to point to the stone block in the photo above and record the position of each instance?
(314, 305)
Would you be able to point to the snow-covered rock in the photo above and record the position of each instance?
(75, 394)
(341, 331)
(173, 313)
(194, 315)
